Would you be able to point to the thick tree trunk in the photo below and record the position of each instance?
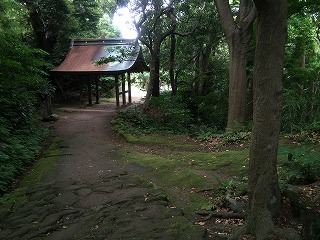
(238, 32)
(152, 81)
(264, 193)
(237, 79)
(38, 26)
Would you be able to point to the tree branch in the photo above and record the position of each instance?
(226, 16)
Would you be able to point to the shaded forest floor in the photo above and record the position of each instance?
(96, 183)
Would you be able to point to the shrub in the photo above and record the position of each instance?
(302, 165)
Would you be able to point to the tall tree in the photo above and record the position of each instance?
(190, 50)
(156, 22)
(264, 193)
(87, 13)
(238, 32)
(43, 15)
(21, 82)
(301, 93)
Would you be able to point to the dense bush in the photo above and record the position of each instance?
(183, 113)
(166, 114)
(21, 84)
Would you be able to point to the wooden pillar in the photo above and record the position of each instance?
(97, 89)
(81, 90)
(116, 77)
(123, 88)
(129, 87)
(89, 91)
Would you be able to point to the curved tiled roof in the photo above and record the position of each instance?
(125, 56)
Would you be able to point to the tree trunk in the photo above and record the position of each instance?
(153, 42)
(237, 79)
(172, 60)
(38, 26)
(156, 76)
(196, 72)
(152, 80)
(238, 33)
(264, 193)
(203, 77)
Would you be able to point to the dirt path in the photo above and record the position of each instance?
(92, 193)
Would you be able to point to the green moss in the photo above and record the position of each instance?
(232, 163)
(180, 169)
(42, 166)
(184, 228)
(129, 137)
(184, 178)
(153, 161)
(198, 202)
(18, 197)
(170, 141)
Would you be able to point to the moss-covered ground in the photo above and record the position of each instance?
(18, 196)
(190, 169)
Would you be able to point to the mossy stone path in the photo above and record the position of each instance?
(91, 192)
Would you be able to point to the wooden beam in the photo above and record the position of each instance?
(129, 87)
(116, 83)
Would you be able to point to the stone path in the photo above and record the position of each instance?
(92, 193)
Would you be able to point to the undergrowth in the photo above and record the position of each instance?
(18, 148)
(300, 164)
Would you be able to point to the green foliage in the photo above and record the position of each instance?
(302, 165)
(301, 83)
(119, 54)
(210, 109)
(227, 186)
(171, 111)
(106, 87)
(166, 114)
(18, 148)
(22, 82)
(87, 13)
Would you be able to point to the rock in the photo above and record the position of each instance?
(50, 118)
(84, 191)
(65, 199)
(51, 220)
